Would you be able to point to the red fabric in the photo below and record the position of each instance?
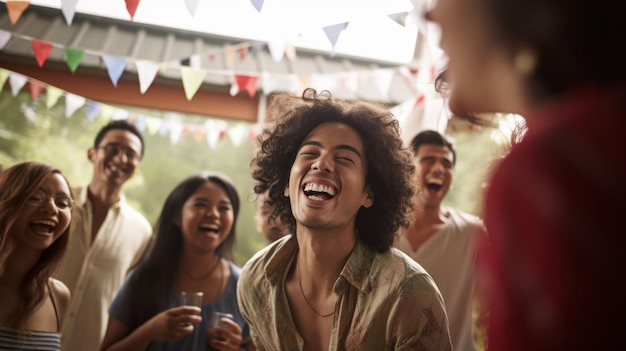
(551, 275)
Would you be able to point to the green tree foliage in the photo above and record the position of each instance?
(29, 131)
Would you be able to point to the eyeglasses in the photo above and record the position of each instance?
(113, 149)
(62, 202)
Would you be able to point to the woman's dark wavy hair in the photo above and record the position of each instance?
(160, 265)
(389, 163)
(569, 38)
(17, 184)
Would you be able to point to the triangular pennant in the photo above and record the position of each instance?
(4, 38)
(15, 9)
(153, 124)
(147, 71)
(17, 82)
(234, 89)
(192, 79)
(198, 134)
(258, 4)
(68, 7)
(249, 83)
(382, 78)
(73, 57)
(290, 51)
(72, 103)
(228, 61)
(277, 48)
(256, 48)
(192, 5)
(52, 95)
(243, 52)
(214, 132)
(115, 67)
(237, 134)
(332, 32)
(93, 110)
(35, 87)
(4, 75)
(399, 18)
(176, 131)
(41, 49)
(131, 6)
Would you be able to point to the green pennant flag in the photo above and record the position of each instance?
(73, 57)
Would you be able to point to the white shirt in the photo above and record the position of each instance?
(449, 256)
(94, 271)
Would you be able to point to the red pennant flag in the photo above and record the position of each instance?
(41, 50)
(131, 6)
(248, 83)
(15, 9)
(35, 89)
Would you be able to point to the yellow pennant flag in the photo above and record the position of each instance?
(192, 80)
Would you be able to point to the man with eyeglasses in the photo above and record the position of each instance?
(107, 236)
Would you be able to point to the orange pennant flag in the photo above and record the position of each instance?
(41, 50)
(15, 9)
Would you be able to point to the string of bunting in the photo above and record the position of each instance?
(171, 126)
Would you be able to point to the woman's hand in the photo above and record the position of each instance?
(175, 323)
(227, 338)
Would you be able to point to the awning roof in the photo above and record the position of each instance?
(136, 41)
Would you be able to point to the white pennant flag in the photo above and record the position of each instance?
(17, 82)
(72, 103)
(237, 134)
(192, 5)
(382, 78)
(68, 7)
(176, 130)
(146, 71)
(277, 47)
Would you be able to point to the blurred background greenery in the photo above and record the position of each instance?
(29, 131)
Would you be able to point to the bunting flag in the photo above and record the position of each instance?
(115, 67)
(35, 87)
(4, 38)
(147, 71)
(73, 58)
(131, 6)
(191, 5)
(72, 103)
(192, 79)
(332, 32)
(68, 7)
(277, 47)
(17, 82)
(258, 4)
(41, 49)
(249, 83)
(52, 95)
(4, 75)
(16, 9)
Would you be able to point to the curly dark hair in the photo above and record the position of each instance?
(389, 164)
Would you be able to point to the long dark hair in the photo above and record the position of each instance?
(160, 265)
(17, 184)
(389, 163)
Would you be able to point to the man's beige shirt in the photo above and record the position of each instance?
(385, 301)
(94, 271)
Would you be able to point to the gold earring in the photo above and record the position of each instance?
(525, 62)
